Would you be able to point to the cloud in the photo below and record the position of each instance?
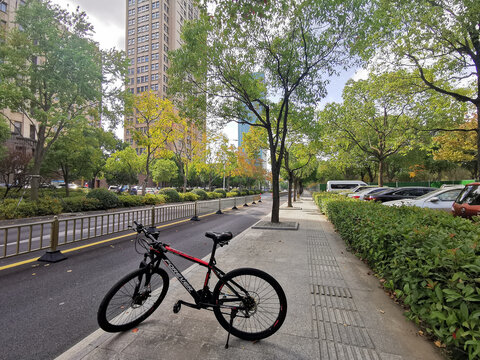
(360, 74)
(107, 18)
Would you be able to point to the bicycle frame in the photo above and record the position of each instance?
(159, 255)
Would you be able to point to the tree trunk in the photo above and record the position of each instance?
(295, 187)
(275, 218)
(290, 185)
(477, 177)
(185, 175)
(380, 173)
(66, 180)
(37, 163)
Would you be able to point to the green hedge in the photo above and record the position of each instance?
(11, 209)
(188, 196)
(430, 260)
(222, 192)
(171, 195)
(202, 194)
(108, 199)
(98, 199)
(77, 204)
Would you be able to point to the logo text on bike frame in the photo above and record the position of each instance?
(180, 277)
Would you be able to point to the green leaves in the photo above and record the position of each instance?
(433, 273)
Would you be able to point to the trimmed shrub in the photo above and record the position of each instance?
(10, 209)
(221, 191)
(107, 198)
(77, 204)
(202, 194)
(150, 199)
(130, 200)
(48, 206)
(428, 259)
(189, 196)
(171, 195)
(213, 195)
(232, 194)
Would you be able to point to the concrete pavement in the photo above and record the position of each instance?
(336, 309)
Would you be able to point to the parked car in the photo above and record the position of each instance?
(409, 192)
(441, 199)
(341, 185)
(467, 203)
(356, 189)
(366, 192)
(135, 190)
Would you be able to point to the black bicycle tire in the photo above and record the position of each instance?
(224, 319)
(102, 317)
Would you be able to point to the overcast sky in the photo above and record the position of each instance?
(107, 18)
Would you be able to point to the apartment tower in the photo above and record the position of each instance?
(23, 130)
(152, 29)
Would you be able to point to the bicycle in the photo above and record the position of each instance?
(248, 303)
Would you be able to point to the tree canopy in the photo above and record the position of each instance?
(56, 76)
(247, 52)
(438, 41)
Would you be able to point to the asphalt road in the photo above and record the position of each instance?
(47, 308)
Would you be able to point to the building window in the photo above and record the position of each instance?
(131, 2)
(17, 127)
(32, 132)
(3, 6)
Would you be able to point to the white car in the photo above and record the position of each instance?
(342, 185)
(441, 199)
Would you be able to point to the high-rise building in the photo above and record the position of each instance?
(23, 130)
(152, 28)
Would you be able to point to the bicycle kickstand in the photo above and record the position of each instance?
(232, 316)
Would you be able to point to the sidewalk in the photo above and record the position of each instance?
(336, 310)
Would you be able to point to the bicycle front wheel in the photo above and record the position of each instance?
(131, 300)
(259, 299)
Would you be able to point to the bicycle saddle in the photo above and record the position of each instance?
(222, 238)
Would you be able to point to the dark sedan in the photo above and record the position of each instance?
(400, 193)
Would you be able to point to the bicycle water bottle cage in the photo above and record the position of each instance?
(220, 238)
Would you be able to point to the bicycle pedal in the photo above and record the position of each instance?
(177, 307)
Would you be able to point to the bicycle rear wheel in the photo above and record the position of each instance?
(131, 300)
(261, 303)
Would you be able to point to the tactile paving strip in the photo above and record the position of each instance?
(337, 324)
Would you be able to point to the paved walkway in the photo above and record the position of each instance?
(336, 309)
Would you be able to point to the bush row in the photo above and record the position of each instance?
(102, 199)
(428, 259)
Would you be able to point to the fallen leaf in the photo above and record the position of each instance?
(33, 266)
(34, 274)
(382, 280)
(69, 270)
(112, 246)
(135, 330)
(381, 311)
(439, 344)
(46, 265)
(420, 332)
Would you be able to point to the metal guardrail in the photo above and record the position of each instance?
(49, 235)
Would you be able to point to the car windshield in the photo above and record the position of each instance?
(430, 194)
(469, 195)
(343, 186)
